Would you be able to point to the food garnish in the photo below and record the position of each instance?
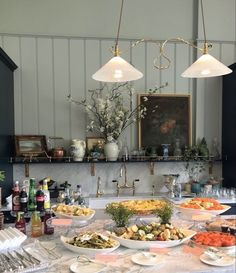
(72, 210)
(202, 204)
(214, 238)
(152, 232)
(92, 240)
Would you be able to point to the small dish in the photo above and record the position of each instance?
(147, 258)
(86, 268)
(224, 261)
(88, 251)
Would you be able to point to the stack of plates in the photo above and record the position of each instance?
(11, 238)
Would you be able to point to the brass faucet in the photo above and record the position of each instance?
(99, 191)
(125, 185)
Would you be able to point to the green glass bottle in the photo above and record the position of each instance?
(32, 198)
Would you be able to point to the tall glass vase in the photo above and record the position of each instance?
(111, 151)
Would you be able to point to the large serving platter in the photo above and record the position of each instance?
(137, 244)
(202, 211)
(88, 251)
(67, 211)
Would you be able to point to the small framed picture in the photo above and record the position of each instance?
(30, 145)
(94, 142)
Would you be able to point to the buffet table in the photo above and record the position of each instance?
(180, 259)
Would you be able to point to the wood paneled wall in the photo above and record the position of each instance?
(52, 67)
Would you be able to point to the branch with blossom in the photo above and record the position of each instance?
(109, 112)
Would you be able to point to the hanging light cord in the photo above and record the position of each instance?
(206, 46)
(116, 51)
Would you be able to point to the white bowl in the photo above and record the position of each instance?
(138, 244)
(201, 211)
(78, 218)
(88, 251)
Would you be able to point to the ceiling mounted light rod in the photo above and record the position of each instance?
(116, 49)
(117, 69)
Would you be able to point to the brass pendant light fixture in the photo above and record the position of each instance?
(117, 69)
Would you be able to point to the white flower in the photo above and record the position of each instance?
(102, 129)
(110, 138)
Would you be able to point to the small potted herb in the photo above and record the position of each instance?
(165, 213)
(119, 214)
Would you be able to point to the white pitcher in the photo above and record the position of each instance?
(77, 149)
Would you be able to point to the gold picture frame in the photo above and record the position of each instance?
(30, 145)
(92, 142)
(168, 118)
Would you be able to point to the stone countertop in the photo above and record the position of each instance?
(175, 260)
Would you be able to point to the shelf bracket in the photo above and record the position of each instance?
(93, 169)
(26, 169)
(210, 167)
(151, 168)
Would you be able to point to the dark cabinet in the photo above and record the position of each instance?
(229, 128)
(7, 67)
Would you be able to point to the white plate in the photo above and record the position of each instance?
(77, 218)
(87, 251)
(137, 244)
(88, 268)
(142, 259)
(224, 261)
(202, 211)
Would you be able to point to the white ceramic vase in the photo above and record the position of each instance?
(77, 149)
(111, 151)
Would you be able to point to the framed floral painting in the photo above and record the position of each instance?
(168, 119)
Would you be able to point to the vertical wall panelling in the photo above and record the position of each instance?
(153, 75)
(45, 86)
(62, 108)
(77, 79)
(29, 85)
(139, 61)
(182, 62)
(13, 49)
(51, 67)
(168, 75)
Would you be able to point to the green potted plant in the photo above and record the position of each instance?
(165, 212)
(119, 214)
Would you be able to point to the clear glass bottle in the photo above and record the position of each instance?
(46, 192)
(23, 199)
(20, 222)
(36, 224)
(31, 197)
(16, 197)
(47, 228)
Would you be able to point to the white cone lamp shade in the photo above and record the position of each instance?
(117, 70)
(206, 66)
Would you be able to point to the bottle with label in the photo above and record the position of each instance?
(31, 198)
(46, 192)
(39, 199)
(80, 198)
(36, 224)
(23, 199)
(16, 197)
(47, 228)
(20, 222)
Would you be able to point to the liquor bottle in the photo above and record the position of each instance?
(36, 224)
(80, 198)
(23, 199)
(47, 228)
(39, 199)
(20, 222)
(46, 192)
(31, 198)
(16, 197)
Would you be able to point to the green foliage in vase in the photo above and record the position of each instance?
(165, 212)
(119, 214)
